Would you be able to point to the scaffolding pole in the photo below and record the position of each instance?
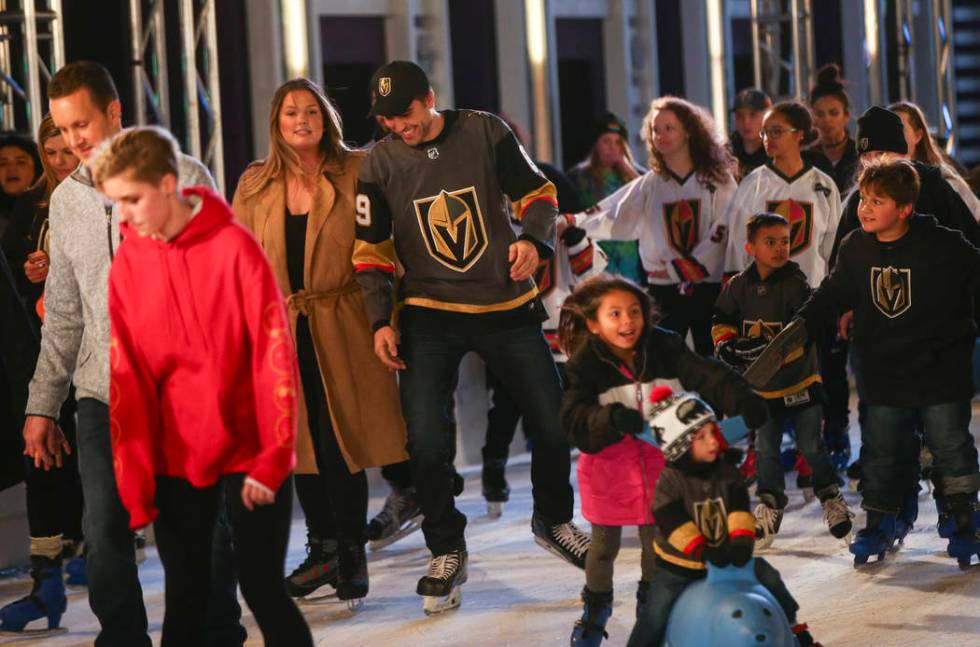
(202, 92)
(149, 49)
(942, 24)
(772, 21)
(32, 23)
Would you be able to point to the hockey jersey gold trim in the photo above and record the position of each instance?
(465, 307)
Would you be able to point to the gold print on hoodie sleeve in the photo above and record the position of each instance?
(280, 361)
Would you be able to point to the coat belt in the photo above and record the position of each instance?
(301, 300)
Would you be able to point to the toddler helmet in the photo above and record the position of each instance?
(674, 418)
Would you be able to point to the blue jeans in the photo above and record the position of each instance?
(521, 359)
(667, 585)
(114, 588)
(890, 457)
(806, 424)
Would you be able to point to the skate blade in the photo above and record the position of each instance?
(808, 495)
(322, 595)
(554, 551)
(30, 634)
(495, 509)
(407, 529)
(434, 604)
(354, 605)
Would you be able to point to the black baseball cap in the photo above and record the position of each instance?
(753, 98)
(879, 129)
(394, 86)
(609, 123)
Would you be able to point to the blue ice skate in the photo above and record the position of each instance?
(75, 569)
(47, 600)
(729, 608)
(964, 542)
(875, 540)
(590, 629)
(905, 520)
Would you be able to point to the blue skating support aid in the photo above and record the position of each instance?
(729, 608)
(874, 541)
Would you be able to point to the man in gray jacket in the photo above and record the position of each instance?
(75, 347)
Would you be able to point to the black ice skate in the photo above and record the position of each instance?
(315, 579)
(441, 587)
(399, 517)
(564, 540)
(352, 576)
(496, 491)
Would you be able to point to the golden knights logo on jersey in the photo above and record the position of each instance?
(452, 227)
(711, 518)
(891, 290)
(683, 222)
(800, 218)
(760, 328)
(544, 276)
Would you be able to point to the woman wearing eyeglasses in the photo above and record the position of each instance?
(789, 186)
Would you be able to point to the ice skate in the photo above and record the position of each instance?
(139, 545)
(804, 478)
(73, 556)
(802, 633)
(749, 467)
(399, 517)
(926, 467)
(564, 540)
(878, 538)
(316, 578)
(768, 517)
(590, 629)
(836, 513)
(959, 522)
(854, 475)
(441, 588)
(496, 491)
(46, 601)
(838, 445)
(352, 576)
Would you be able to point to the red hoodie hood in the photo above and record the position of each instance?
(214, 213)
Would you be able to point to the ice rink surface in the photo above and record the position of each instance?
(518, 594)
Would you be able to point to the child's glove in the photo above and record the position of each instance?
(725, 351)
(748, 349)
(754, 411)
(627, 421)
(717, 555)
(740, 550)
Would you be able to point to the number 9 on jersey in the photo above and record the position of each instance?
(362, 205)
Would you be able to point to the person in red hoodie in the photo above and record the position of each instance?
(203, 387)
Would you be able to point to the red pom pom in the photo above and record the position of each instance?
(660, 392)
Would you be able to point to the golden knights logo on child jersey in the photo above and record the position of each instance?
(452, 227)
(891, 290)
(712, 520)
(682, 220)
(800, 218)
(760, 328)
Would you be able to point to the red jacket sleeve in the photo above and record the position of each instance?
(134, 411)
(274, 374)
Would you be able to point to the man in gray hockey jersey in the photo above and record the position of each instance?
(438, 193)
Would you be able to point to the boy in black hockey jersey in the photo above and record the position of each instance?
(751, 309)
(439, 191)
(701, 508)
(910, 283)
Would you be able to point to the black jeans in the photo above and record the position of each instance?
(346, 493)
(692, 312)
(523, 357)
(261, 536)
(54, 498)
(503, 416)
(833, 370)
(114, 591)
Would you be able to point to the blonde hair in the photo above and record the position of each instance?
(48, 178)
(148, 152)
(282, 158)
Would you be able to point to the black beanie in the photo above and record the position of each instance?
(880, 130)
(609, 123)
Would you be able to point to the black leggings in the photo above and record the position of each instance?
(260, 538)
(54, 498)
(334, 492)
(692, 312)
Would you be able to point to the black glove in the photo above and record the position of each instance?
(748, 349)
(740, 550)
(627, 421)
(717, 555)
(754, 411)
(725, 351)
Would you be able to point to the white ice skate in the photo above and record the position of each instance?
(495, 509)
(441, 587)
(767, 520)
(399, 517)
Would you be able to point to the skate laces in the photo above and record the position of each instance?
(835, 511)
(569, 537)
(442, 566)
(767, 517)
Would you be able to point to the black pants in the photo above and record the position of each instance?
(54, 498)
(833, 370)
(693, 312)
(346, 493)
(183, 533)
(503, 416)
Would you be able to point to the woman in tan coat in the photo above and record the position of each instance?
(299, 203)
